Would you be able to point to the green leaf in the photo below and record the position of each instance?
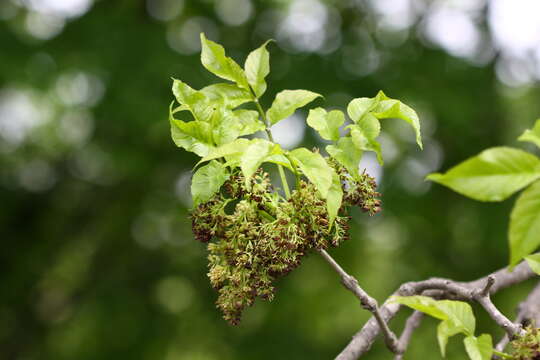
(194, 136)
(391, 108)
(207, 181)
(479, 348)
(279, 159)
(257, 67)
(334, 198)
(421, 303)
(286, 103)
(533, 135)
(326, 123)
(227, 94)
(254, 156)
(225, 126)
(534, 262)
(360, 107)
(347, 154)
(457, 316)
(362, 110)
(492, 175)
(458, 313)
(236, 147)
(315, 168)
(214, 60)
(445, 330)
(249, 121)
(194, 101)
(364, 133)
(524, 232)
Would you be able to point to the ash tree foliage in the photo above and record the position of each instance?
(494, 175)
(254, 234)
(456, 318)
(257, 231)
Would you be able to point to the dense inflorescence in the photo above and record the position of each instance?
(254, 236)
(359, 192)
(527, 347)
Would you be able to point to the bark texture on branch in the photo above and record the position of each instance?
(478, 290)
(528, 313)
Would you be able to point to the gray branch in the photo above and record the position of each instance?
(366, 301)
(411, 325)
(528, 313)
(478, 290)
(484, 299)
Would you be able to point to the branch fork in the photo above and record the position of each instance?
(479, 290)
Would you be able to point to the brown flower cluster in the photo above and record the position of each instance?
(255, 237)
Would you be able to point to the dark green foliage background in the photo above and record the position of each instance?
(75, 282)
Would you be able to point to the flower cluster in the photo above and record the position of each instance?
(359, 192)
(527, 347)
(254, 236)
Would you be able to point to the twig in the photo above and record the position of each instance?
(411, 325)
(484, 299)
(282, 175)
(528, 312)
(440, 288)
(367, 301)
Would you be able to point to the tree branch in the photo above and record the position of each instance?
(438, 288)
(411, 324)
(367, 301)
(484, 299)
(528, 313)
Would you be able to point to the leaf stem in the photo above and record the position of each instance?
(271, 138)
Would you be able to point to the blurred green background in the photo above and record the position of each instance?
(97, 259)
